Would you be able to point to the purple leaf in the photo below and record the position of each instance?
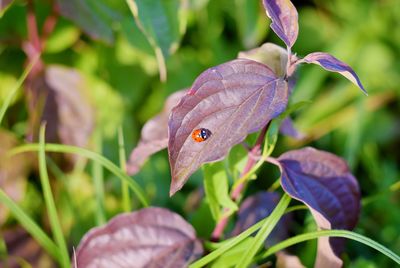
(330, 63)
(284, 19)
(255, 208)
(151, 237)
(154, 136)
(22, 248)
(230, 100)
(287, 128)
(323, 182)
(58, 97)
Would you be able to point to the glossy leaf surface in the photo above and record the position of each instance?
(230, 100)
(154, 135)
(284, 19)
(323, 182)
(151, 237)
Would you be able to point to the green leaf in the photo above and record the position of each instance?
(216, 189)
(90, 16)
(251, 22)
(163, 22)
(271, 136)
(61, 38)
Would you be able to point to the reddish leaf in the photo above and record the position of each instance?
(58, 98)
(13, 171)
(330, 63)
(154, 136)
(324, 183)
(284, 19)
(151, 237)
(230, 100)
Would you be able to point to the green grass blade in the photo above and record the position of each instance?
(264, 232)
(332, 233)
(126, 201)
(98, 182)
(226, 245)
(30, 226)
(14, 91)
(49, 201)
(60, 148)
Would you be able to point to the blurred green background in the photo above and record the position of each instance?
(119, 72)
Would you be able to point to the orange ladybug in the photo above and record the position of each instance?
(201, 134)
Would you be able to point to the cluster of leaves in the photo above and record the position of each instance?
(232, 100)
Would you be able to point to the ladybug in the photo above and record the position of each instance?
(201, 134)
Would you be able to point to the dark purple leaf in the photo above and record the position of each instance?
(255, 208)
(287, 128)
(230, 100)
(85, 14)
(13, 171)
(330, 63)
(284, 19)
(151, 237)
(154, 136)
(21, 246)
(324, 183)
(58, 97)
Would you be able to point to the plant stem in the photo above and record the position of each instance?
(126, 201)
(237, 189)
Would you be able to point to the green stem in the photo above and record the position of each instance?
(126, 202)
(49, 201)
(265, 231)
(98, 181)
(332, 233)
(14, 91)
(30, 226)
(60, 148)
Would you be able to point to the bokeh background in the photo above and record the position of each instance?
(97, 48)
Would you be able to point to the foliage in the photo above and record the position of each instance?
(92, 73)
